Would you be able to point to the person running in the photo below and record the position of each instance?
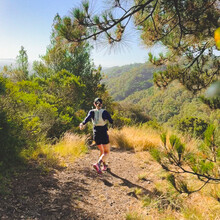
(100, 135)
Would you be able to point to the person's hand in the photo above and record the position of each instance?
(81, 126)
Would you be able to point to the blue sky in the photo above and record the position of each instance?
(28, 23)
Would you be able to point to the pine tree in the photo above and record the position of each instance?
(186, 28)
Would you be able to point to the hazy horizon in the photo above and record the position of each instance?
(29, 24)
(9, 61)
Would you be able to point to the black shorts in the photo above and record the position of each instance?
(101, 137)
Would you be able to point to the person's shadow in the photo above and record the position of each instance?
(127, 183)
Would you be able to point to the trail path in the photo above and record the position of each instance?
(78, 192)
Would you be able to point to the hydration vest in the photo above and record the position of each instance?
(98, 120)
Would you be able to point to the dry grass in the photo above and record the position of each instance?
(69, 148)
(134, 138)
(201, 205)
(134, 216)
(171, 205)
(214, 191)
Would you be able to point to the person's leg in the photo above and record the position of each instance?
(104, 153)
(106, 148)
(101, 148)
(97, 165)
(102, 141)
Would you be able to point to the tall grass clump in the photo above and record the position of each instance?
(68, 148)
(71, 146)
(134, 138)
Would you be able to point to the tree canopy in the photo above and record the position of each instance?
(185, 27)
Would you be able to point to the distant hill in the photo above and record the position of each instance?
(126, 80)
(116, 71)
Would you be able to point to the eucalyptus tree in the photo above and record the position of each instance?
(76, 59)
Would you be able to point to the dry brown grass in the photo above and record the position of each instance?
(134, 138)
(201, 205)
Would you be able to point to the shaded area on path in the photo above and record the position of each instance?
(77, 192)
(34, 195)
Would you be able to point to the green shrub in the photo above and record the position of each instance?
(193, 126)
(12, 141)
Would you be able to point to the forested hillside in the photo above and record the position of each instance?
(125, 80)
(169, 106)
(117, 71)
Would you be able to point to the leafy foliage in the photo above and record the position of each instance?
(213, 103)
(186, 28)
(128, 115)
(193, 125)
(12, 138)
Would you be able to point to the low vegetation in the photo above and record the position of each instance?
(135, 138)
(173, 198)
(70, 147)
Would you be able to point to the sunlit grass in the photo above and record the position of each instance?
(134, 138)
(214, 191)
(169, 204)
(68, 148)
(142, 176)
(199, 206)
(134, 216)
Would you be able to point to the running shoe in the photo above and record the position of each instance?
(105, 167)
(97, 167)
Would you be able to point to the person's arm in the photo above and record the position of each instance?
(106, 116)
(88, 117)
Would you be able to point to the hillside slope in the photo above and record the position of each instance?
(124, 81)
(170, 106)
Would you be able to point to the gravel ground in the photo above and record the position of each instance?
(78, 191)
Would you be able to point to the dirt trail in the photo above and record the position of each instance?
(78, 192)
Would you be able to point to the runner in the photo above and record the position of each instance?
(100, 135)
